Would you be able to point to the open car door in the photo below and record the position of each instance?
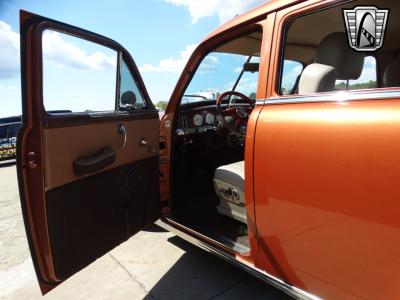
(88, 178)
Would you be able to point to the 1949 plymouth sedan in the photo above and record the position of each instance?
(279, 150)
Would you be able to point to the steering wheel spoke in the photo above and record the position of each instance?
(240, 114)
(230, 111)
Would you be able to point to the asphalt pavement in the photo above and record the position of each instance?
(154, 264)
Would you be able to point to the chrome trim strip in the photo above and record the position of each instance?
(200, 236)
(260, 102)
(268, 278)
(332, 97)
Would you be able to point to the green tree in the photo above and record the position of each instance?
(356, 86)
(162, 105)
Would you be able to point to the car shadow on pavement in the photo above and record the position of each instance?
(7, 163)
(154, 228)
(200, 275)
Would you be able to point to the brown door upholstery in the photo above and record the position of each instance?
(63, 145)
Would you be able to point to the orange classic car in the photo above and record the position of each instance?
(279, 150)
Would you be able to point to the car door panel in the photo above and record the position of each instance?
(71, 218)
(65, 144)
(113, 212)
(104, 219)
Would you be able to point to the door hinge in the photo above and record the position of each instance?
(32, 161)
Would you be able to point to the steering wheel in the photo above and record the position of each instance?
(239, 114)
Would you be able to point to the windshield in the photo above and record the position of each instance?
(220, 72)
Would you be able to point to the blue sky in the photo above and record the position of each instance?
(159, 34)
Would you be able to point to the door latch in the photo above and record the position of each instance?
(143, 142)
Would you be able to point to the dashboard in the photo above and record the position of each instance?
(200, 119)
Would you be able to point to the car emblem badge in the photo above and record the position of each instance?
(366, 27)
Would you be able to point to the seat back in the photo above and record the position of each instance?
(391, 76)
(334, 60)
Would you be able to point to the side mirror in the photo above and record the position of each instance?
(251, 67)
(128, 99)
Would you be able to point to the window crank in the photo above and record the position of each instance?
(143, 142)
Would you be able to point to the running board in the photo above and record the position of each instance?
(223, 241)
(290, 290)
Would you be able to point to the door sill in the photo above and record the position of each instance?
(224, 244)
(229, 235)
(228, 256)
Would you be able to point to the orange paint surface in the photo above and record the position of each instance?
(326, 193)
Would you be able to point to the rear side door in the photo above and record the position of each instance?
(327, 166)
(87, 150)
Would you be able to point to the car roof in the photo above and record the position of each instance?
(256, 14)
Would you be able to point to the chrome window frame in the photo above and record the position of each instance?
(340, 97)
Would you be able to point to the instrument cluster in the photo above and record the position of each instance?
(203, 118)
(198, 120)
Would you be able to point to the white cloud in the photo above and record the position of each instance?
(172, 64)
(246, 85)
(369, 71)
(8, 87)
(208, 65)
(238, 69)
(9, 52)
(176, 65)
(55, 49)
(224, 9)
(67, 55)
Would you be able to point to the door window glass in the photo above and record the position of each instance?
(332, 61)
(290, 77)
(130, 95)
(367, 79)
(78, 75)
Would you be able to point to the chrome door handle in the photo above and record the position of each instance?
(143, 142)
(122, 130)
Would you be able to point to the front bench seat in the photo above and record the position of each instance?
(229, 186)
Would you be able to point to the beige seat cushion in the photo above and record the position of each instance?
(232, 174)
(317, 78)
(229, 186)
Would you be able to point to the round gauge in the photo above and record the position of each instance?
(198, 120)
(210, 119)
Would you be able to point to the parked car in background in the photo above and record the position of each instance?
(9, 127)
(291, 173)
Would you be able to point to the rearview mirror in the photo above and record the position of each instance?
(251, 67)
